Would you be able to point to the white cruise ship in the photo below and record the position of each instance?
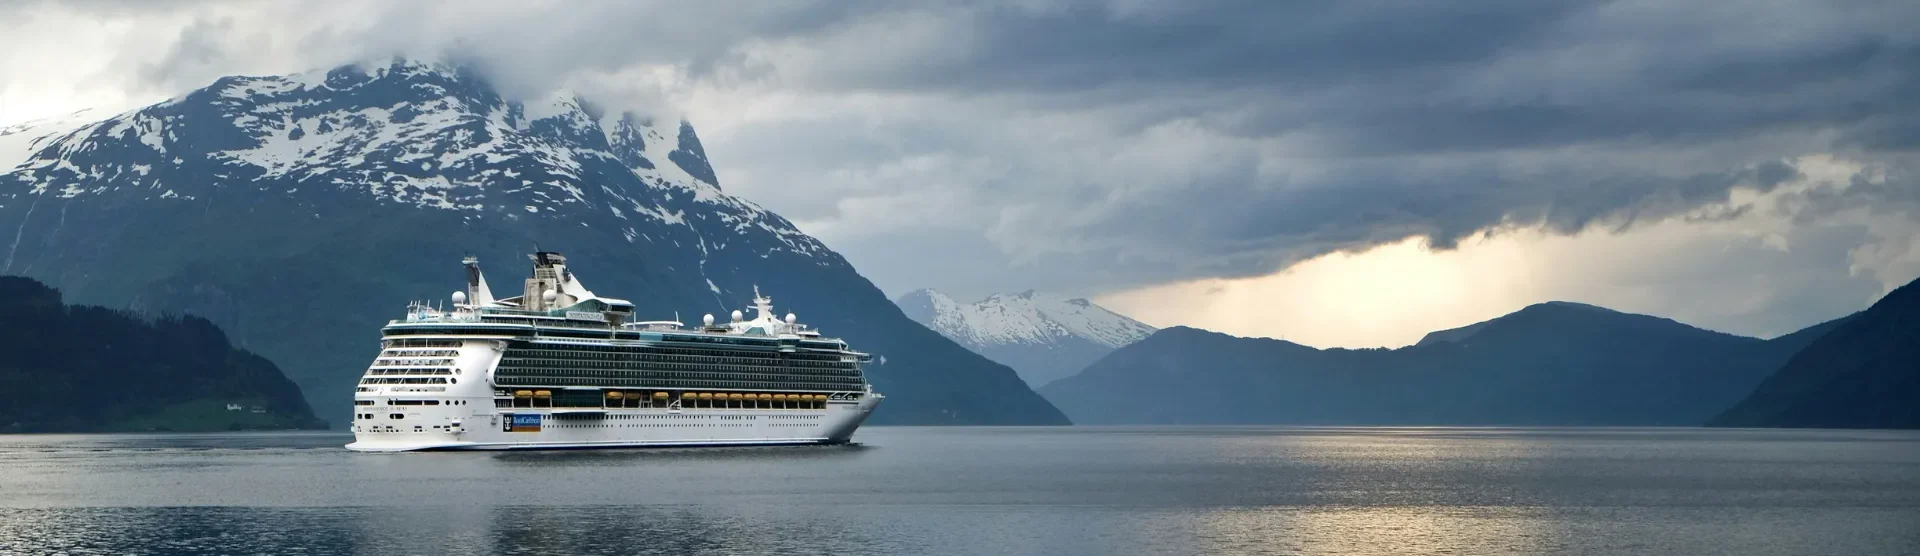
(560, 367)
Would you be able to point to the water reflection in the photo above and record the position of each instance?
(983, 491)
(444, 530)
(1383, 530)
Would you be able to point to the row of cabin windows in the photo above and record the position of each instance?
(419, 352)
(625, 351)
(604, 425)
(411, 402)
(521, 368)
(665, 361)
(376, 371)
(411, 380)
(723, 357)
(419, 343)
(531, 382)
(643, 402)
(651, 425)
(562, 402)
(390, 362)
(522, 360)
(669, 416)
(650, 357)
(598, 326)
(516, 358)
(630, 351)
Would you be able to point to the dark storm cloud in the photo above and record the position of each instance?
(1235, 227)
(1395, 76)
(1563, 114)
(1086, 45)
(1113, 144)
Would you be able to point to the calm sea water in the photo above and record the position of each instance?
(1055, 491)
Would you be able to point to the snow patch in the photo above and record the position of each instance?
(1031, 318)
(18, 142)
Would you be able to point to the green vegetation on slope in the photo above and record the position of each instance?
(91, 369)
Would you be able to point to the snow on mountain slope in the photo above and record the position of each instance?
(1029, 318)
(433, 137)
(19, 141)
(1044, 337)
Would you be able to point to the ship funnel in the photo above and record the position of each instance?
(477, 291)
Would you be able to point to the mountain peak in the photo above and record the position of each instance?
(1569, 306)
(1560, 314)
(1029, 317)
(1067, 333)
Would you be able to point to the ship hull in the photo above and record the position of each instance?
(623, 429)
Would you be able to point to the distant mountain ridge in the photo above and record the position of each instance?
(1864, 373)
(1465, 332)
(1044, 337)
(301, 212)
(1547, 364)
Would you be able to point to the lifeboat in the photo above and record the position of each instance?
(779, 397)
(659, 395)
(735, 396)
(543, 393)
(523, 394)
(766, 397)
(613, 395)
(703, 396)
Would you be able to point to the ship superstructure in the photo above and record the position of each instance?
(561, 367)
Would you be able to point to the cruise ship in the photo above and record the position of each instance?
(559, 367)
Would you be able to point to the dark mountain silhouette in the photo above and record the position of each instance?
(1548, 364)
(83, 369)
(1864, 373)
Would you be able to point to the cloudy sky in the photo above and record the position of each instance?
(1349, 173)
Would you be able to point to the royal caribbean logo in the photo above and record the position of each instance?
(525, 422)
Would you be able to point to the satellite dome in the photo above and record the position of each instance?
(459, 298)
(736, 315)
(549, 296)
(707, 319)
(792, 319)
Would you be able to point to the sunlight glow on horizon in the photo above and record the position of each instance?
(1393, 294)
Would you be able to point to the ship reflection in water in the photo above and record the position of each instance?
(985, 491)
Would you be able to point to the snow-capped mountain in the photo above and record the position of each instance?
(1044, 337)
(302, 211)
(429, 136)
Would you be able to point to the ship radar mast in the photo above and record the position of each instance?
(762, 305)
